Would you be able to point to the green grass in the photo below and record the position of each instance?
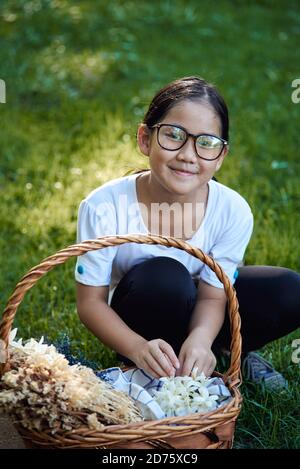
(79, 76)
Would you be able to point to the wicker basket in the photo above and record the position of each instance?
(213, 430)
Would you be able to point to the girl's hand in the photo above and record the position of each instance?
(196, 353)
(156, 357)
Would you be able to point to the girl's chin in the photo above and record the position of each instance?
(179, 189)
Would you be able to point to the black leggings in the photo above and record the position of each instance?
(156, 299)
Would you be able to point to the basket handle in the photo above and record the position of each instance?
(232, 376)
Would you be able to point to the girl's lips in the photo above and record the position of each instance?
(183, 173)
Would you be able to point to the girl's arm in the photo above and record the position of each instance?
(206, 322)
(155, 356)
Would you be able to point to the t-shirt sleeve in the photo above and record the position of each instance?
(229, 250)
(94, 268)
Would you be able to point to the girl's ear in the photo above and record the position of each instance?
(221, 158)
(143, 139)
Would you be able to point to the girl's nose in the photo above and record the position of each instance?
(188, 152)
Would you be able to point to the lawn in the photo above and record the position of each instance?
(79, 76)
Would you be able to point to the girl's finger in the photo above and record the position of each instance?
(168, 350)
(201, 366)
(151, 372)
(147, 368)
(163, 361)
(155, 365)
(210, 368)
(181, 359)
(171, 367)
(187, 366)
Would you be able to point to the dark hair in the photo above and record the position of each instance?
(187, 88)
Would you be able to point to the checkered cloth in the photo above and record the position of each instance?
(141, 386)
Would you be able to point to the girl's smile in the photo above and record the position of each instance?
(182, 173)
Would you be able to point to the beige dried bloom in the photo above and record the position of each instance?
(3, 352)
(42, 391)
(94, 423)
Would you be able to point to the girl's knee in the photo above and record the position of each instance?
(163, 277)
(163, 262)
(289, 291)
(164, 270)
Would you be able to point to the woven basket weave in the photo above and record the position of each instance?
(213, 430)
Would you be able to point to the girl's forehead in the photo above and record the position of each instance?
(196, 116)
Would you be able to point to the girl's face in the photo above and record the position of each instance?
(196, 117)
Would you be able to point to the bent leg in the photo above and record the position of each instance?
(156, 299)
(269, 300)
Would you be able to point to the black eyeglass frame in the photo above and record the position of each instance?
(188, 134)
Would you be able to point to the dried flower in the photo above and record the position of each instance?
(43, 391)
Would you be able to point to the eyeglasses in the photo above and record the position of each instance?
(173, 137)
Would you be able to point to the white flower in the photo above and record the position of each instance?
(183, 395)
(11, 338)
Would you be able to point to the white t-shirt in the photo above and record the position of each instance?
(113, 208)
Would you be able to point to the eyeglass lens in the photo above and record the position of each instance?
(173, 138)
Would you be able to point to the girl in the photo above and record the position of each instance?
(159, 307)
